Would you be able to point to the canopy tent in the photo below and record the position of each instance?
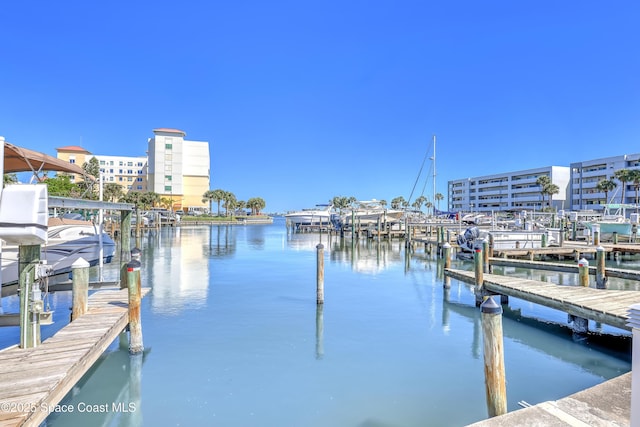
(18, 159)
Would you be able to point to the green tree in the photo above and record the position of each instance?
(62, 186)
(543, 181)
(634, 176)
(214, 196)
(112, 192)
(92, 167)
(256, 204)
(438, 198)
(417, 204)
(10, 178)
(624, 176)
(606, 185)
(229, 202)
(398, 202)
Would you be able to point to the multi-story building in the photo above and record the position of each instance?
(175, 168)
(508, 191)
(583, 191)
(178, 169)
(76, 155)
(128, 172)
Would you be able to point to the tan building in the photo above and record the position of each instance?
(76, 155)
(178, 168)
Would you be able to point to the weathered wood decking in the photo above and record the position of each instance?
(567, 268)
(601, 305)
(35, 379)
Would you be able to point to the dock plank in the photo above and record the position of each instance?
(601, 305)
(42, 376)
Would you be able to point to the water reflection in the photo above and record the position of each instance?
(176, 271)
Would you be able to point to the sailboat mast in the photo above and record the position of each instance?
(434, 174)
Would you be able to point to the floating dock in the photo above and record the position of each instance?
(34, 380)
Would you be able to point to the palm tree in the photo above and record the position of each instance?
(606, 185)
(624, 176)
(397, 202)
(112, 192)
(634, 176)
(229, 202)
(211, 196)
(543, 181)
(438, 197)
(550, 190)
(10, 178)
(256, 204)
(419, 202)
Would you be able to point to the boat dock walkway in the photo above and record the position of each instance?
(564, 267)
(34, 380)
(601, 305)
(606, 404)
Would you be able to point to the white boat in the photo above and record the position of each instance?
(370, 211)
(610, 223)
(318, 215)
(67, 240)
(473, 238)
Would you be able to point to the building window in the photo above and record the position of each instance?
(120, 163)
(139, 179)
(119, 178)
(111, 163)
(102, 162)
(139, 187)
(130, 172)
(129, 187)
(168, 146)
(167, 188)
(72, 160)
(129, 179)
(129, 163)
(167, 177)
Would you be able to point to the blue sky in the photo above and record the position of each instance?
(305, 100)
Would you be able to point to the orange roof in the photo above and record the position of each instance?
(73, 148)
(169, 130)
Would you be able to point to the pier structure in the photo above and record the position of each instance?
(35, 376)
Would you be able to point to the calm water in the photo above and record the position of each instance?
(233, 337)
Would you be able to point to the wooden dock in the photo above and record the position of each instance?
(566, 268)
(601, 305)
(34, 380)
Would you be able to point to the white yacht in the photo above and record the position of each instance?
(318, 215)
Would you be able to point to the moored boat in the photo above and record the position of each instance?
(67, 240)
(318, 215)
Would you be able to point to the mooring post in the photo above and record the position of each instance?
(30, 304)
(490, 245)
(561, 232)
(615, 237)
(80, 288)
(596, 234)
(543, 240)
(634, 323)
(125, 246)
(583, 272)
(574, 230)
(601, 277)
(135, 326)
(479, 277)
(447, 264)
(494, 374)
(486, 267)
(320, 274)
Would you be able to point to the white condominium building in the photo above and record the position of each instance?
(178, 169)
(586, 175)
(508, 191)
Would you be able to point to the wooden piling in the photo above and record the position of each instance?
(125, 246)
(495, 379)
(135, 294)
(601, 278)
(485, 256)
(320, 274)
(583, 272)
(596, 237)
(447, 264)
(479, 277)
(30, 307)
(80, 288)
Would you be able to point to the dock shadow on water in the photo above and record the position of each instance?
(238, 339)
